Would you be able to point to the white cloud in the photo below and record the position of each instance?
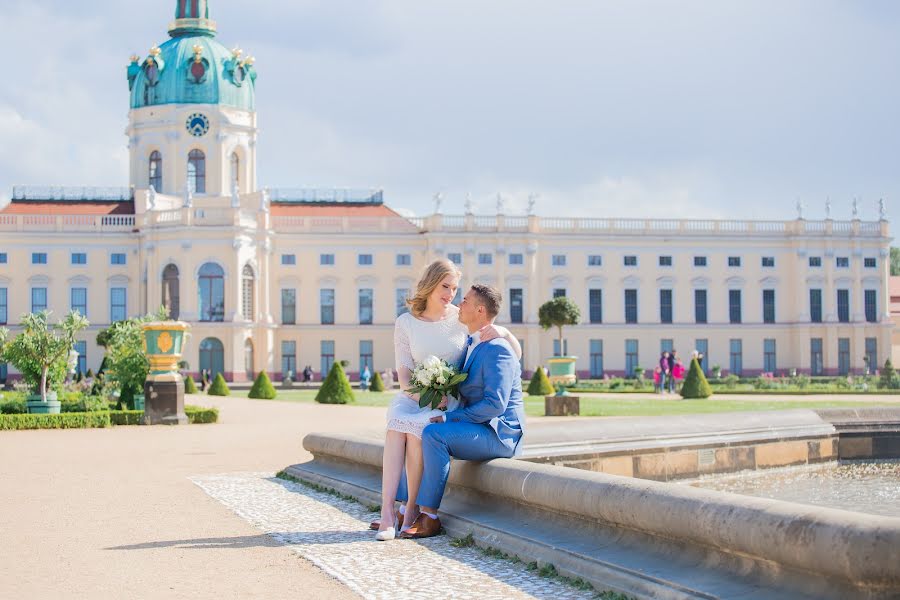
(602, 107)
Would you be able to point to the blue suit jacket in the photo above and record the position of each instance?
(492, 393)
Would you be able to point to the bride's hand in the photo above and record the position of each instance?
(490, 332)
(443, 404)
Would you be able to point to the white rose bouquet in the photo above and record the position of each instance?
(433, 379)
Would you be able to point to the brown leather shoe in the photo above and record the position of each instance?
(376, 524)
(423, 527)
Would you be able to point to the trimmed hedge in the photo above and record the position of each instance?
(126, 417)
(540, 384)
(84, 420)
(377, 384)
(336, 388)
(199, 414)
(695, 384)
(189, 386)
(219, 387)
(262, 388)
(59, 421)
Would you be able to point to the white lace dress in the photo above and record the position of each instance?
(415, 340)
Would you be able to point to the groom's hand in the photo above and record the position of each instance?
(438, 419)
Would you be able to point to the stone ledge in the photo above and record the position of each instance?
(643, 537)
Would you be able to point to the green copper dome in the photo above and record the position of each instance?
(193, 67)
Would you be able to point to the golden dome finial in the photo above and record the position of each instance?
(134, 58)
(236, 52)
(249, 61)
(155, 51)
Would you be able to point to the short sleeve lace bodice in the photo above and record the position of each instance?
(415, 340)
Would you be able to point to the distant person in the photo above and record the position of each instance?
(664, 369)
(307, 374)
(388, 379)
(671, 380)
(364, 378)
(657, 380)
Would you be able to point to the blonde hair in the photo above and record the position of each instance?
(431, 278)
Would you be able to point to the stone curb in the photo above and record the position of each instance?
(860, 550)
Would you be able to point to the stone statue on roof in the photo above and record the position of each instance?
(468, 203)
(882, 210)
(151, 198)
(438, 199)
(500, 204)
(855, 208)
(827, 208)
(532, 198)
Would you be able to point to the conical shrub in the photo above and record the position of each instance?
(540, 384)
(262, 388)
(377, 384)
(219, 387)
(189, 386)
(336, 388)
(695, 384)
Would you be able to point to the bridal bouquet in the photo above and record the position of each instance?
(433, 379)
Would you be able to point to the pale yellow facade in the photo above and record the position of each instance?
(212, 231)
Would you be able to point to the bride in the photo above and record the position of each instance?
(430, 328)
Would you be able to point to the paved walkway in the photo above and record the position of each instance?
(106, 513)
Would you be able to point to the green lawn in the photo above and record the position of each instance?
(609, 406)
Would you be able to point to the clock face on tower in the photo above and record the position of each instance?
(197, 124)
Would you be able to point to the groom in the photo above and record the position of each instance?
(490, 421)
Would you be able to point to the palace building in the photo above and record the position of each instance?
(281, 279)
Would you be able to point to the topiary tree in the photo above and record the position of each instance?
(41, 352)
(888, 377)
(262, 388)
(189, 386)
(559, 312)
(336, 388)
(695, 384)
(377, 384)
(540, 384)
(219, 387)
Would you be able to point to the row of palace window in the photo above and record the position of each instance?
(631, 260)
(196, 171)
(701, 306)
(595, 354)
(118, 304)
(736, 355)
(363, 260)
(212, 301)
(76, 258)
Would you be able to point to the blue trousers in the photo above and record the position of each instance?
(440, 441)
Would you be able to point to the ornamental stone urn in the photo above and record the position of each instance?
(164, 388)
(562, 370)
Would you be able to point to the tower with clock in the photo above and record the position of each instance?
(192, 123)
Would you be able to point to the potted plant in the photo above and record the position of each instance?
(42, 353)
(559, 312)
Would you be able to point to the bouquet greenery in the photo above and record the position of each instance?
(433, 379)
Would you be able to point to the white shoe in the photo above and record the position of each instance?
(388, 534)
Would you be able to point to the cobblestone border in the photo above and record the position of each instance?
(329, 530)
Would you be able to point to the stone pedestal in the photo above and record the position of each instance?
(164, 401)
(562, 406)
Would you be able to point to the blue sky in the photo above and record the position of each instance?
(603, 108)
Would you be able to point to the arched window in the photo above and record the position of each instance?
(247, 293)
(212, 357)
(170, 291)
(235, 170)
(248, 359)
(196, 172)
(212, 292)
(156, 171)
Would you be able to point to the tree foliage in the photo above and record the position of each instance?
(559, 312)
(895, 261)
(41, 351)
